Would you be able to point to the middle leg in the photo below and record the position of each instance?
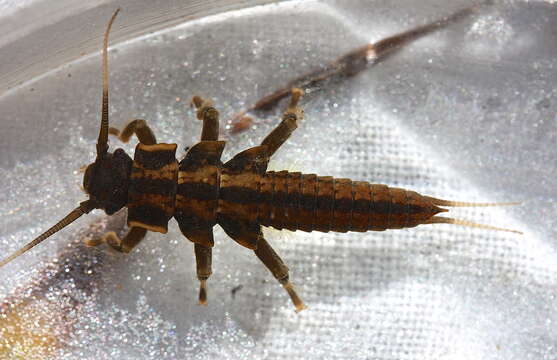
(210, 117)
(203, 239)
(203, 259)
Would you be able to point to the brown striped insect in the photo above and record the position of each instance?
(240, 195)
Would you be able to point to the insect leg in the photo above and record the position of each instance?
(289, 123)
(138, 127)
(125, 245)
(203, 259)
(203, 254)
(276, 266)
(210, 117)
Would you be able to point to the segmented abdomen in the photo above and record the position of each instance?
(308, 202)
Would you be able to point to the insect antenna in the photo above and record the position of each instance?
(102, 142)
(446, 220)
(83, 208)
(102, 147)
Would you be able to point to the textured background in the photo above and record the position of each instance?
(468, 113)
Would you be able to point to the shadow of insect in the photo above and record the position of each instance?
(39, 315)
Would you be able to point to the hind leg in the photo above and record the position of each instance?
(276, 266)
(289, 123)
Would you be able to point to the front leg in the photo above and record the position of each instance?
(289, 123)
(125, 245)
(138, 127)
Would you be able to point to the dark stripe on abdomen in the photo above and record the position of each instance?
(308, 202)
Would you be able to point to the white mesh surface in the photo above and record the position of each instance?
(465, 114)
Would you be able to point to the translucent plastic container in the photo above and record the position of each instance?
(466, 113)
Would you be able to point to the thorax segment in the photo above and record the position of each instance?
(198, 191)
(152, 191)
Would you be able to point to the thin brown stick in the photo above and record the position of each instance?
(348, 65)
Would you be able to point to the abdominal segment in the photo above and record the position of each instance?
(295, 201)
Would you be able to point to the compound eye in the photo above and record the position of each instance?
(87, 178)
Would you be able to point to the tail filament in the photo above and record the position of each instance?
(446, 220)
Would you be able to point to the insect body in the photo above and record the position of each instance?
(240, 195)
